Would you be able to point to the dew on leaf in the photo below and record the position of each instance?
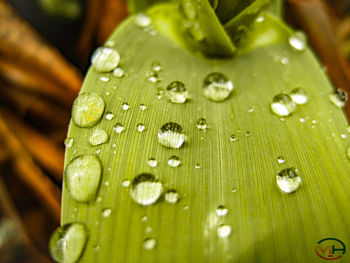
(288, 180)
(283, 105)
(105, 59)
(217, 87)
(171, 135)
(146, 189)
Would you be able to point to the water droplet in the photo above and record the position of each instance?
(98, 136)
(146, 189)
(87, 109)
(67, 242)
(217, 87)
(143, 20)
(248, 133)
(82, 177)
(140, 127)
(281, 159)
(142, 107)
(68, 142)
(221, 210)
(298, 41)
(105, 59)
(125, 106)
(171, 135)
(288, 180)
(174, 161)
(338, 98)
(260, 19)
(343, 136)
(284, 60)
(107, 93)
(156, 66)
(109, 116)
(126, 183)
(172, 196)
(104, 79)
(118, 72)
(197, 166)
(224, 231)
(302, 120)
(106, 212)
(118, 128)
(109, 43)
(233, 138)
(144, 218)
(152, 162)
(299, 96)
(149, 243)
(176, 92)
(283, 105)
(202, 124)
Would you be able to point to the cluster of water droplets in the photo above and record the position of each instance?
(285, 104)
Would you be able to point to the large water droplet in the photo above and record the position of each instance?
(202, 124)
(171, 135)
(217, 87)
(283, 105)
(288, 180)
(298, 41)
(338, 98)
(171, 196)
(68, 142)
(224, 231)
(221, 210)
(146, 189)
(67, 243)
(82, 177)
(299, 96)
(149, 243)
(87, 109)
(174, 161)
(176, 92)
(118, 128)
(98, 136)
(152, 162)
(105, 59)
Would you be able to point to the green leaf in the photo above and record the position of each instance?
(267, 224)
(136, 6)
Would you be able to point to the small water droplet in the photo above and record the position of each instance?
(106, 212)
(176, 92)
(171, 135)
(118, 72)
(109, 43)
(171, 196)
(248, 133)
(197, 166)
(140, 127)
(288, 180)
(284, 60)
(174, 161)
(126, 183)
(224, 231)
(338, 98)
(87, 110)
(104, 79)
(98, 136)
(298, 41)
(142, 107)
(156, 66)
(146, 189)
(217, 87)
(82, 177)
(67, 242)
(105, 59)
(109, 116)
(250, 110)
(202, 124)
(281, 159)
(125, 106)
(234, 190)
(68, 142)
(118, 128)
(143, 20)
(221, 210)
(283, 105)
(152, 162)
(233, 138)
(144, 218)
(302, 120)
(299, 96)
(343, 136)
(260, 19)
(149, 243)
